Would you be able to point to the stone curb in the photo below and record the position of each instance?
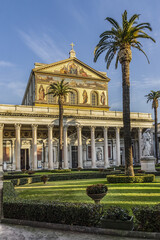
(83, 229)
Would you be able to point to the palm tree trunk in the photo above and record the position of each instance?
(156, 139)
(126, 118)
(60, 131)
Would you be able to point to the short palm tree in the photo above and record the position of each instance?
(119, 40)
(154, 96)
(60, 90)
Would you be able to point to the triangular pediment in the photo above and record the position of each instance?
(70, 67)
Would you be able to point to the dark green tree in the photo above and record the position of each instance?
(118, 42)
(60, 90)
(153, 96)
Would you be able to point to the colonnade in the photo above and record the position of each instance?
(65, 137)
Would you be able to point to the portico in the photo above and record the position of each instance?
(98, 142)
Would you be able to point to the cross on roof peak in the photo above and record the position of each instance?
(72, 45)
(72, 53)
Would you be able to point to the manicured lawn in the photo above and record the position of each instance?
(126, 195)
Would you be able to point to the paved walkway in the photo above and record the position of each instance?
(17, 232)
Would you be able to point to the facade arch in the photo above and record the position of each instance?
(50, 98)
(73, 97)
(94, 98)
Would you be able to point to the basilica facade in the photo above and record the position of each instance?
(92, 134)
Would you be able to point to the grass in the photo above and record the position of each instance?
(125, 195)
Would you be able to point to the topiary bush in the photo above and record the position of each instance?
(44, 178)
(129, 179)
(147, 218)
(97, 189)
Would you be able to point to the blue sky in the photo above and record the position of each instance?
(41, 31)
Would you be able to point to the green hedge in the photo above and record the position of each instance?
(54, 212)
(147, 218)
(128, 179)
(58, 177)
(8, 190)
(15, 176)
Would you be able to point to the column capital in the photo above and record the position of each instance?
(50, 126)
(93, 128)
(140, 129)
(105, 127)
(17, 125)
(118, 129)
(34, 126)
(1, 126)
(79, 126)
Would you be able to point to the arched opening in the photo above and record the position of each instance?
(73, 98)
(94, 99)
(51, 99)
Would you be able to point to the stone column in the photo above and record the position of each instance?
(140, 142)
(50, 147)
(18, 147)
(93, 148)
(13, 155)
(106, 162)
(1, 147)
(79, 134)
(34, 146)
(46, 156)
(65, 148)
(118, 146)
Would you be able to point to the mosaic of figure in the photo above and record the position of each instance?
(85, 96)
(64, 70)
(83, 73)
(103, 98)
(146, 143)
(41, 93)
(73, 69)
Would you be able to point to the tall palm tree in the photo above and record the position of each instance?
(154, 96)
(60, 90)
(119, 40)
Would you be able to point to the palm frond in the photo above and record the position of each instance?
(113, 22)
(121, 36)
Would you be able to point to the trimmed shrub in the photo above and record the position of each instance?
(128, 179)
(148, 218)
(60, 170)
(8, 190)
(14, 176)
(44, 178)
(54, 212)
(116, 213)
(96, 189)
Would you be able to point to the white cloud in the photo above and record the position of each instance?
(43, 46)
(17, 87)
(6, 64)
(147, 82)
(79, 15)
(116, 106)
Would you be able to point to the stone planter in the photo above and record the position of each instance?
(117, 224)
(148, 164)
(96, 197)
